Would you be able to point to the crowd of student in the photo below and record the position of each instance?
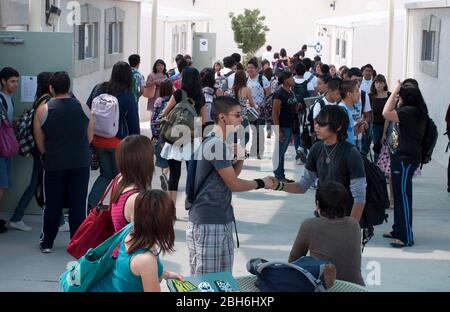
(333, 117)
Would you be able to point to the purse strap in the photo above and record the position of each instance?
(110, 189)
(106, 248)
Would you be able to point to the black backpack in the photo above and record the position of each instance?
(377, 200)
(310, 117)
(429, 141)
(300, 91)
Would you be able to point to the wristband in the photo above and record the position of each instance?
(260, 183)
(280, 186)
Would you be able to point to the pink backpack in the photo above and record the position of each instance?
(8, 142)
(105, 109)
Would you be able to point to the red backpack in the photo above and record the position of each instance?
(95, 229)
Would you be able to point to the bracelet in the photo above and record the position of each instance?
(260, 184)
(280, 186)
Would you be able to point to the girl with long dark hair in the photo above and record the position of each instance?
(156, 77)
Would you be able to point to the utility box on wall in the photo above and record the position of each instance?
(203, 49)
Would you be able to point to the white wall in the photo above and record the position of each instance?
(436, 91)
(291, 22)
(84, 84)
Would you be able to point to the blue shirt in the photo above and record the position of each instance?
(350, 132)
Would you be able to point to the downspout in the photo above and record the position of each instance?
(406, 53)
(390, 39)
(154, 30)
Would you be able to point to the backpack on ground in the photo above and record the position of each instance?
(300, 91)
(179, 119)
(377, 200)
(105, 109)
(429, 141)
(24, 128)
(303, 275)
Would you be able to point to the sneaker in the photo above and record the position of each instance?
(45, 250)
(65, 227)
(21, 226)
(164, 182)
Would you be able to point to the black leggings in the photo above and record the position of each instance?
(175, 174)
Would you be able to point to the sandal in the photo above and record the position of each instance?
(388, 235)
(399, 244)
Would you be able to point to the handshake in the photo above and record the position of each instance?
(272, 183)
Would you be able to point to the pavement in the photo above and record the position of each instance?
(267, 223)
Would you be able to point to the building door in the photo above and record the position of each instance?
(204, 50)
(31, 53)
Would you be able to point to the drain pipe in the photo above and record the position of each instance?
(390, 39)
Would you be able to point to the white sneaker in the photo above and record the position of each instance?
(20, 226)
(65, 227)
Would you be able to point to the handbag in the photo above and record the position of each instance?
(93, 266)
(97, 227)
(9, 146)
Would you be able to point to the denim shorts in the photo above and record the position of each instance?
(5, 172)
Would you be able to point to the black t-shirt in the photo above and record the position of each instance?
(377, 109)
(287, 112)
(199, 100)
(346, 165)
(412, 130)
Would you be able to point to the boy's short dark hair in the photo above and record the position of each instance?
(300, 69)
(366, 66)
(237, 57)
(134, 60)
(336, 118)
(334, 84)
(325, 69)
(222, 105)
(178, 58)
(8, 72)
(317, 59)
(304, 47)
(265, 62)
(253, 62)
(325, 78)
(308, 63)
(331, 198)
(354, 71)
(182, 64)
(412, 82)
(229, 62)
(347, 86)
(60, 81)
(269, 48)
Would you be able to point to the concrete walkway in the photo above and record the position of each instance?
(268, 223)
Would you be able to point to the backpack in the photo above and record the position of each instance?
(210, 95)
(222, 81)
(105, 109)
(303, 275)
(377, 200)
(181, 117)
(156, 118)
(310, 115)
(24, 128)
(300, 91)
(429, 142)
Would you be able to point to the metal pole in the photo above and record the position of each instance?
(390, 40)
(406, 52)
(154, 29)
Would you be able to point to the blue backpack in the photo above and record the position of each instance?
(306, 274)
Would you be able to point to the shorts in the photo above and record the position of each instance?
(211, 247)
(160, 162)
(5, 172)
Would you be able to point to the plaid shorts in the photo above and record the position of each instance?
(211, 247)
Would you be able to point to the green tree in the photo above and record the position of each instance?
(249, 31)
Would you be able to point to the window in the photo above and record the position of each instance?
(338, 46)
(115, 33)
(344, 49)
(429, 57)
(428, 41)
(86, 33)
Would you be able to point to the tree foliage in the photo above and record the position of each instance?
(249, 30)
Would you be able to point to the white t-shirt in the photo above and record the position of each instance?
(317, 107)
(313, 83)
(366, 85)
(268, 56)
(258, 92)
(9, 106)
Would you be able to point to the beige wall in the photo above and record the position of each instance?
(291, 22)
(436, 91)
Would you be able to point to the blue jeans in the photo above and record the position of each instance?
(28, 194)
(108, 170)
(377, 132)
(402, 173)
(282, 148)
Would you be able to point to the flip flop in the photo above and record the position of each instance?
(399, 244)
(388, 235)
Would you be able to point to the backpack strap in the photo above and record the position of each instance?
(310, 78)
(4, 105)
(111, 243)
(260, 80)
(319, 287)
